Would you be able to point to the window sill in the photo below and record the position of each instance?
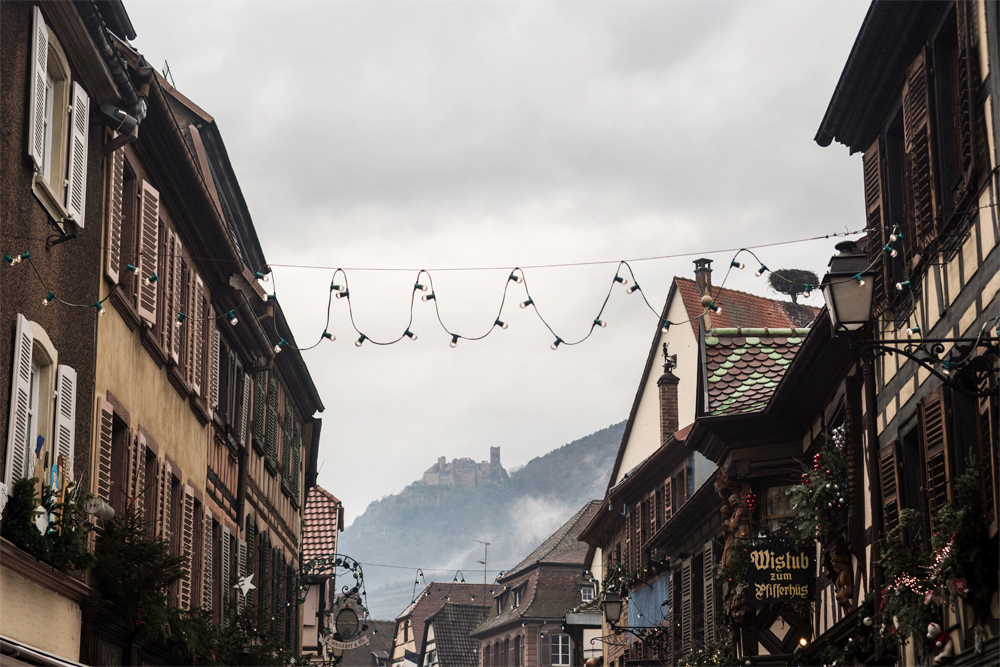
(123, 305)
(49, 199)
(200, 410)
(151, 342)
(176, 376)
(257, 445)
(271, 467)
(41, 573)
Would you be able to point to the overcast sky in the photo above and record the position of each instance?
(439, 135)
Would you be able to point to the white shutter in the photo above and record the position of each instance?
(225, 575)
(187, 548)
(149, 236)
(39, 75)
(245, 410)
(137, 471)
(208, 547)
(241, 566)
(167, 284)
(19, 451)
(164, 499)
(64, 424)
(196, 335)
(76, 176)
(105, 427)
(176, 300)
(116, 185)
(213, 365)
(708, 575)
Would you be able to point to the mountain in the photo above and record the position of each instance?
(434, 527)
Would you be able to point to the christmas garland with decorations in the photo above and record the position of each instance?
(820, 500)
(49, 524)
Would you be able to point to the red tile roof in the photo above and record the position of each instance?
(743, 367)
(323, 518)
(741, 309)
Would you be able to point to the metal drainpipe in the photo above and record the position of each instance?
(874, 488)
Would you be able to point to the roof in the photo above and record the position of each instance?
(453, 626)
(743, 367)
(435, 596)
(322, 518)
(562, 547)
(380, 641)
(742, 309)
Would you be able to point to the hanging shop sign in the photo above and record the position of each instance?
(332, 643)
(779, 574)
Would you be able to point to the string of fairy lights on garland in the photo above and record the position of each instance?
(624, 278)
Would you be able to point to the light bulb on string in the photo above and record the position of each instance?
(513, 276)
(555, 345)
(911, 331)
(99, 307)
(619, 279)
(861, 281)
(48, 298)
(131, 268)
(231, 316)
(428, 297)
(807, 292)
(280, 345)
(600, 323)
(409, 334)
(905, 284)
(889, 249)
(334, 287)
(343, 294)
(329, 336)
(7, 259)
(759, 272)
(714, 307)
(25, 255)
(633, 288)
(896, 236)
(500, 323)
(454, 340)
(665, 327)
(151, 278)
(262, 275)
(180, 319)
(418, 286)
(737, 265)
(525, 304)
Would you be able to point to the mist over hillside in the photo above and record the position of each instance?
(433, 527)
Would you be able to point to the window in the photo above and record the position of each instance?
(586, 593)
(431, 659)
(59, 119)
(777, 508)
(555, 650)
(41, 429)
(515, 601)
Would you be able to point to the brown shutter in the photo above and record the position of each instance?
(876, 227)
(225, 576)
(105, 425)
(177, 300)
(937, 470)
(888, 462)
(245, 411)
(988, 417)
(968, 88)
(116, 179)
(687, 609)
(272, 422)
(708, 577)
(164, 499)
(919, 162)
(187, 547)
(195, 333)
(668, 499)
(149, 236)
(207, 598)
(137, 471)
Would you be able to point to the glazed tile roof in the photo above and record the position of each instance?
(743, 366)
(453, 626)
(563, 546)
(741, 309)
(323, 517)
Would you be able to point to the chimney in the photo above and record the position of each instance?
(668, 397)
(703, 275)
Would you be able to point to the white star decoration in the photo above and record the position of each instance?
(244, 584)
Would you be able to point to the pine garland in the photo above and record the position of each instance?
(821, 498)
(63, 544)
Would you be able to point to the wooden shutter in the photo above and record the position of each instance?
(164, 499)
(207, 597)
(918, 160)
(277, 569)
(668, 499)
(39, 75)
(708, 577)
(116, 179)
(877, 237)
(166, 283)
(967, 60)
(687, 609)
(213, 367)
(937, 471)
(272, 421)
(286, 446)
(64, 424)
(225, 576)
(245, 411)
(888, 463)
(260, 407)
(988, 428)
(105, 429)
(251, 536)
(196, 331)
(262, 586)
(137, 471)
(176, 299)
(296, 462)
(149, 236)
(187, 548)
(20, 453)
(241, 568)
(79, 123)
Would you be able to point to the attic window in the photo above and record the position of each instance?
(586, 593)
(516, 598)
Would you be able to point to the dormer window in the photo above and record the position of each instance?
(586, 593)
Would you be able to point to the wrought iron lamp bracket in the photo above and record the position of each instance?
(927, 353)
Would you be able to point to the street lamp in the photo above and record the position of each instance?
(848, 288)
(612, 605)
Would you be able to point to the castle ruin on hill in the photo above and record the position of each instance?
(466, 472)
